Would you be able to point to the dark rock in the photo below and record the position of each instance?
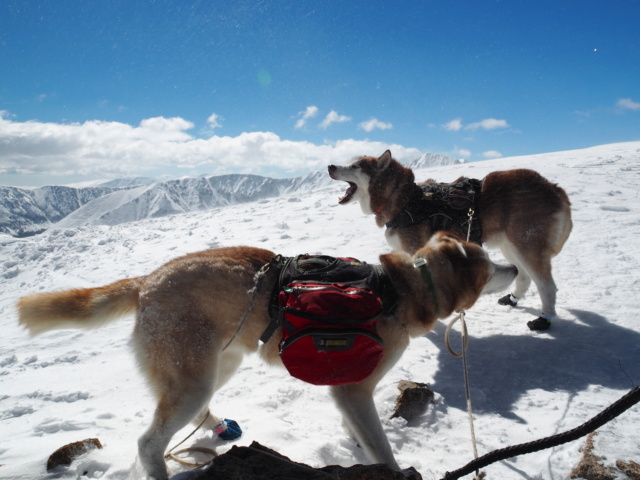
(257, 462)
(65, 455)
(413, 400)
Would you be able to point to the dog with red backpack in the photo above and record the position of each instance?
(198, 315)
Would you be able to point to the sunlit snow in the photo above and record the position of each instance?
(70, 385)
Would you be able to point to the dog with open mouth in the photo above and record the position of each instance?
(518, 211)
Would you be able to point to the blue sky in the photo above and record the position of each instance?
(92, 90)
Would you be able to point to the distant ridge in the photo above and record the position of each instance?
(186, 195)
(434, 160)
(25, 212)
(127, 182)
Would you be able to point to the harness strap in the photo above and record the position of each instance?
(421, 265)
(463, 353)
(173, 453)
(436, 204)
(257, 278)
(274, 313)
(465, 335)
(414, 211)
(388, 292)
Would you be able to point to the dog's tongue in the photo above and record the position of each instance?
(349, 193)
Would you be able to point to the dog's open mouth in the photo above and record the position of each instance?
(349, 193)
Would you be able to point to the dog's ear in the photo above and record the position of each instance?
(384, 160)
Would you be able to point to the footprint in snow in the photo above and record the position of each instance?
(17, 411)
(54, 425)
(69, 397)
(8, 361)
(610, 208)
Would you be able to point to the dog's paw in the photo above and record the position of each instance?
(228, 430)
(539, 323)
(509, 300)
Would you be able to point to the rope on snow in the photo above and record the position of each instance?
(608, 414)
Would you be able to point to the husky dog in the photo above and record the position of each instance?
(518, 211)
(189, 339)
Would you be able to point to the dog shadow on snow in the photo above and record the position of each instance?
(570, 357)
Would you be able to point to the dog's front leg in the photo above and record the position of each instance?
(355, 401)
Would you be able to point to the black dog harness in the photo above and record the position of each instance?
(442, 205)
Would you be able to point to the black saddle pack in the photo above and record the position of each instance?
(443, 205)
(326, 309)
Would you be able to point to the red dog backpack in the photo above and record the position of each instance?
(327, 309)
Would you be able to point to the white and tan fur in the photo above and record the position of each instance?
(524, 215)
(189, 309)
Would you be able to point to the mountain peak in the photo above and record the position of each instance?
(434, 160)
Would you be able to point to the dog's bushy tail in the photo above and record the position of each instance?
(80, 308)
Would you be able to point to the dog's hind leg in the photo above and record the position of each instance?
(177, 406)
(523, 279)
(547, 289)
(542, 275)
(227, 366)
(540, 272)
(536, 267)
(180, 366)
(355, 401)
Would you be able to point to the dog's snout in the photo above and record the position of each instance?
(332, 168)
(500, 278)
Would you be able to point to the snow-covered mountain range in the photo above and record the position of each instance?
(26, 212)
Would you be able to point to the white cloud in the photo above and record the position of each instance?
(454, 125)
(627, 104)
(214, 121)
(461, 152)
(334, 117)
(171, 125)
(487, 124)
(373, 123)
(492, 154)
(100, 149)
(310, 112)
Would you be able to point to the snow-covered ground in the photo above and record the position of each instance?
(69, 385)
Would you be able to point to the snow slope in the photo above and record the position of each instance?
(69, 385)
